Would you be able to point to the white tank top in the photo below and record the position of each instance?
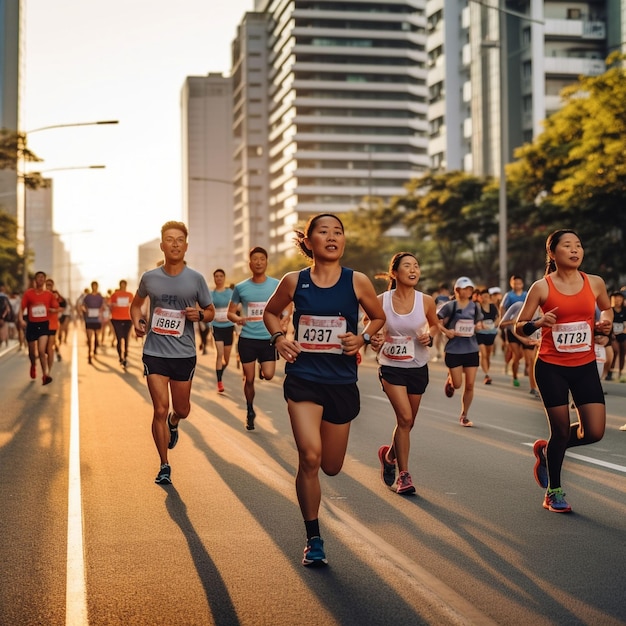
(401, 349)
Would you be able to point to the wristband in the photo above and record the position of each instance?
(275, 336)
(529, 328)
(430, 341)
(200, 315)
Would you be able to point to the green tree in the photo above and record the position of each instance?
(11, 263)
(12, 147)
(573, 175)
(452, 215)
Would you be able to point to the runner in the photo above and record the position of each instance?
(254, 340)
(403, 354)
(459, 321)
(39, 305)
(223, 328)
(120, 318)
(92, 307)
(53, 327)
(486, 336)
(566, 362)
(321, 368)
(169, 353)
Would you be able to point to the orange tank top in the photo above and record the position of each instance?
(570, 341)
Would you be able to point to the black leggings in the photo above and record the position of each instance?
(555, 382)
(122, 330)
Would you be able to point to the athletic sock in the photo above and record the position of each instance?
(219, 375)
(312, 528)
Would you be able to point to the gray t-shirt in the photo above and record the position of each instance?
(170, 334)
(472, 312)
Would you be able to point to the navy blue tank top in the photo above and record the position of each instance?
(337, 301)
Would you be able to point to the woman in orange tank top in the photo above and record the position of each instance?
(566, 360)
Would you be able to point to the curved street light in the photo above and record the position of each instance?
(21, 180)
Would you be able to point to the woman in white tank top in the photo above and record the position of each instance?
(403, 354)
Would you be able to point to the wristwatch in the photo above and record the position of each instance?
(367, 339)
(200, 315)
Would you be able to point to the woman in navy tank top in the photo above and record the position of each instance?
(321, 367)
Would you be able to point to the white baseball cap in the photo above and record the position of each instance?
(493, 290)
(463, 282)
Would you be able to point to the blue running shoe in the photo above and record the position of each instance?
(173, 433)
(387, 470)
(555, 501)
(164, 477)
(314, 555)
(541, 468)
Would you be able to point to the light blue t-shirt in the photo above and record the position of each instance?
(221, 300)
(170, 334)
(253, 297)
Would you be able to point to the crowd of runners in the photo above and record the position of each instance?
(565, 332)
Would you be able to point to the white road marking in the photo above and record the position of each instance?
(76, 597)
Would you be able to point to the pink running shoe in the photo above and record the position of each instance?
(404, 484)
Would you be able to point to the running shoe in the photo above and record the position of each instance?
(164, 477)
(387, 470)
(314, 555)
(623, 427)
(46, 380)
(220, 386)
(534, 393)
(173, 433)
(541, 468)
(465, 422)
(487, 380)
(250, 415)
(555, 501)
(33, 372)
(515, 382)
(449, 388)
(404, 486)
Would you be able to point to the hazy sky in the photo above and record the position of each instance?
(89, 60)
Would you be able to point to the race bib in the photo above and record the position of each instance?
(464, 328)
(618, 328)
(572, 337)
(38, 310)
(93, 312)
(317, 333)
(255, 311)
(124, 301)
(221, 314)
(168, 322)
(398, 348)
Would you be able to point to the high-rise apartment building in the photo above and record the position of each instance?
(511, 57)
(251, 96)
(11, 60)
(207, 172)
(347, 109)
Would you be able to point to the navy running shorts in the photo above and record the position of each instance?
(340, 403)
(251, 350)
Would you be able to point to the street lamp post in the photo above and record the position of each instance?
(21, 188)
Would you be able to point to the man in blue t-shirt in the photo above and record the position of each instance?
(250, 296)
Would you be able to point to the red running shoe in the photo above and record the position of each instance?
(541, 467)
(33, 372)
(220, 386)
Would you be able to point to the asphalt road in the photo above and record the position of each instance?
(88, 538)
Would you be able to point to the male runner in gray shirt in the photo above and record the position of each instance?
(169, 353)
